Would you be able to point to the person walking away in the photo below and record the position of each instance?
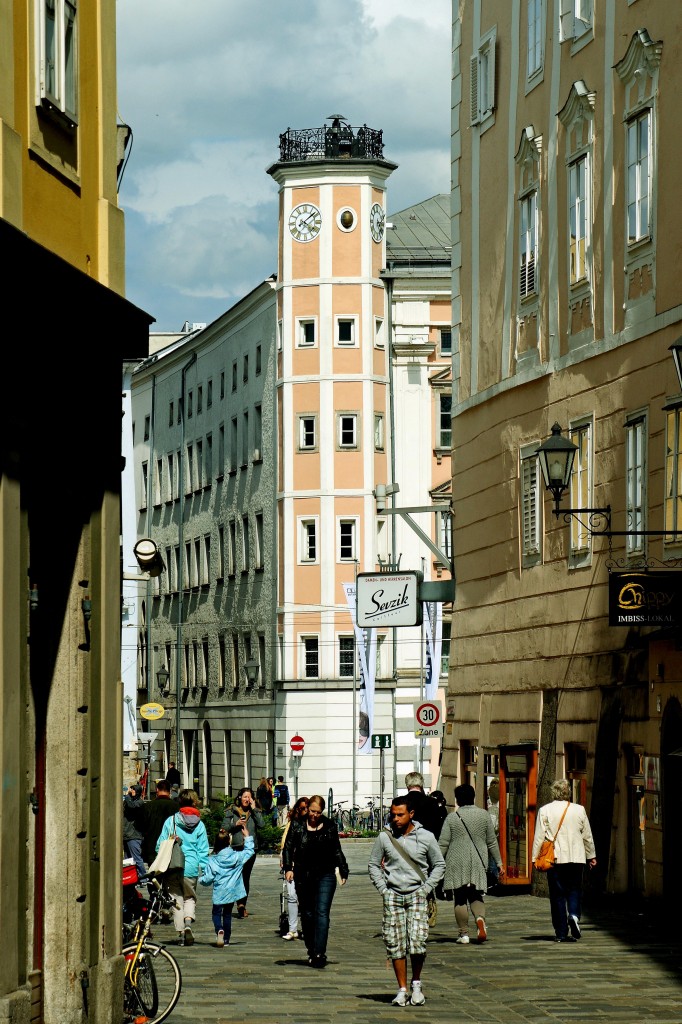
(441, 802)
(133, 827)
(244, 809)
(155, 813)
(467, 841)
(425, 810)
(311, 856)
(264, 796)
(173, 775)
(297, 813)
(273, 804)
(224, 872)
(405, 866)
(186, 823)
(282, 801)
(573, 848)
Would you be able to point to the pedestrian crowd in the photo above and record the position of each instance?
(425, 851)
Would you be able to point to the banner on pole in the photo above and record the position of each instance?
(366, 647)
(433, 628)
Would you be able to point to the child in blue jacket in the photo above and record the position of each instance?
(224, 872)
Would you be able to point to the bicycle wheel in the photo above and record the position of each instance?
(164, 990)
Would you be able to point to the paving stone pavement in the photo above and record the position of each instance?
(626, 969)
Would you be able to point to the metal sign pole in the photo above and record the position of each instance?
(381, 788)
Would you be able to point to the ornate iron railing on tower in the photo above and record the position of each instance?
(337, 141)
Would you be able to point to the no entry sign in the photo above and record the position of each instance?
(297, 744)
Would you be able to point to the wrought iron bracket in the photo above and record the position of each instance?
(598, 520)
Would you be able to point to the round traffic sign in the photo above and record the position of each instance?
(428, 715)
(297, 743)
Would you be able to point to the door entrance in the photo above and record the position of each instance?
(518, 786)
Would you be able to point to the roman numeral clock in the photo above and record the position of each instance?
(305, 222)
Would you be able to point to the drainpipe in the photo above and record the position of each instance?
(391, 428)
(181, 558)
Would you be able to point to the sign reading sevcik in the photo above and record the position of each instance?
(388, 599)
(645, 598)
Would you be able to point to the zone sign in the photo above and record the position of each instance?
(428, 718)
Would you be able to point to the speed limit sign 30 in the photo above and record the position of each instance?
(428, 718)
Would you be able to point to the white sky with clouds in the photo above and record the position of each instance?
(208, 86)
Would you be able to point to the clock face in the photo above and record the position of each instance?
(305, 222)
(377, 218)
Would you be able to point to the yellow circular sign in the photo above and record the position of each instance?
(152, 711)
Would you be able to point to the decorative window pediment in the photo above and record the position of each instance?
(528, 157)
(642, 55)
(579, 106)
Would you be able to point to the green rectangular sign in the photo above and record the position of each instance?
(381, 741)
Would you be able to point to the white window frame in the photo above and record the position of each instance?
(445, 350)
(672, 497)
(352, 321)
(310, 649)
(536, 38)
(638, 179)
(346, 640)
(444, 415)
(308, 528)
(531, 493)
(378, 432)
(57, 73)
(446, 640)
(579, 219)
(445, 534)
(636, 480)
(343, 420)
(304, 422)
(258, 540)
(344, 524)
(302, 323)
(379, 336)
(528, 244)
(482, 82)
(581, 433)
(576, 20)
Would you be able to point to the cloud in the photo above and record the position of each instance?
(208, 89)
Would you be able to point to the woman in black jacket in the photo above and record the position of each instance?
(311, 855)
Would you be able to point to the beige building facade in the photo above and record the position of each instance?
(566, 299)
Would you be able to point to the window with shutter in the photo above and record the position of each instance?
(531, 507)
(482, 81)
(635, 500)
(581, 486)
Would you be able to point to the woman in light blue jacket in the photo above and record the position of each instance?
(224, 871)
(190, 830)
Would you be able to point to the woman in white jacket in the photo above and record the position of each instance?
(573, 848)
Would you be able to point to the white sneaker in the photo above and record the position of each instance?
(290, 935)
(220, 939)
(574, 926)
(417, 997)
(463, 940)
(402, 998)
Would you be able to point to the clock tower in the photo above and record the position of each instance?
(332, 401)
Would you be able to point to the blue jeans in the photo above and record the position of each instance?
(221, 915)
(134, 848)
(565, 885)
(315, 895)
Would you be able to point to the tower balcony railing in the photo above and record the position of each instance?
(338, 141)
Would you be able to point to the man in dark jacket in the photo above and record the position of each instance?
(133, 809)
(425, 808)
(155, 813)
(173, 775)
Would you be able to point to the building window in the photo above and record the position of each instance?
(170, 414)
(528, 244)
(170, 475)
(482, 81)
(311, 657)
(158, 483)
(232, 548)
(221, 450)
(346, 657)
(245, 438)
(639, 177)
(190, 405)
(222, 662)
(147, 427)
(308, 540)
(208, 460)
(245, 371)
(189, 476)
(379, 332)
(234, 376)
(673, 473)
(445, 421)
(635, 481)
(200, 399)
(578, 218)
(445, 648)
(259, 359)
(200, 465)
(535, 37)
(378, 432)
(347, 540)
(346, 331)
(446, 341)
(307, 439)
(531, 507)
(209, 394)
(280, 334)
(445, 535)
(144, 484)
(206, 560)
(347, 429)
(246, 554)
(258, 553)
(257, 432)
(222, 385)
(469, 753)
(575, 19)
(221, 552)
(581, 485)
(233, 444)
(306, 332)
(57, 65)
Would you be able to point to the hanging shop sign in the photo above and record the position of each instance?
(645, 598)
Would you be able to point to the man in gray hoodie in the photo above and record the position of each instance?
(406, 865)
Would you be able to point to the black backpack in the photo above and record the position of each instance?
(282, 791)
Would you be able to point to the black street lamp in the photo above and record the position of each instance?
(162, 677)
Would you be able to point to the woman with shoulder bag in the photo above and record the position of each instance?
(190, 832)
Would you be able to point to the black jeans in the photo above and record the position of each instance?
(315, 895)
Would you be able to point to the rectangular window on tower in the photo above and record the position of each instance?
(347, 427)
(307, 433)
(311, 657)
(346, 657)
(57, 63)
(308, 540)
(346, 331)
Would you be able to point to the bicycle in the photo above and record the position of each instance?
(340, 815)
(152, 980)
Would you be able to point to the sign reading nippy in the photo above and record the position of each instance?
(388, 599)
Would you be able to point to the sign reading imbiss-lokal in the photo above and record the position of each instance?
(639, 598)
(388, 599)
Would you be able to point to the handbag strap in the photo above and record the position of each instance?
(472, 840)
(562, 820)
(403, 853)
